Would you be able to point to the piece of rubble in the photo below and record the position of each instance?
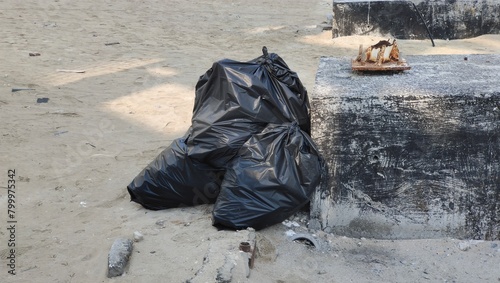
(290, 233)
(118, 256)
(265, 249)
(290, 224)
(138, 236)
(464, 246)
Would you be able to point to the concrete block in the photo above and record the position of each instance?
(407, 19)
(410, 155)
(118, 256)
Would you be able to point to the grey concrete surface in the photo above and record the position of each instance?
(416, 19)
(412, 154)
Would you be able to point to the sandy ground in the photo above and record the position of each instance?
(74, 155)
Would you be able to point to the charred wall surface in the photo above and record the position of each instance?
(410, 155)
(415, 19)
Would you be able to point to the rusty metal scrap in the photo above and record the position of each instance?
(383, 56)
(247, 248)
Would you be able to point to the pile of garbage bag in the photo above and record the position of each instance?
(248, 149)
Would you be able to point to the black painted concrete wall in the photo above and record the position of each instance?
(410, 155)
(445, 19)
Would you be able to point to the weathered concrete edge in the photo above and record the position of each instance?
(346, 213)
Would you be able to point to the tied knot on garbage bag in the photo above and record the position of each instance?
(248, 149)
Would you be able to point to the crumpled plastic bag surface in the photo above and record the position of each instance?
(173, 179)
(252, 118)
(272, 177)
(235, 100)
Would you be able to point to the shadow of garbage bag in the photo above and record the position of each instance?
(272, 177)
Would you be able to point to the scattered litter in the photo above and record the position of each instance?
(49, 24)
(70, 71)
(290, 233)
(42, 100)
(289, 223)
(118, 257)
(245, 247)
(58, 133)
(160, 223)
(87, 143)
(111, 43)
(383, 56)
(34, 54)
(21, 88)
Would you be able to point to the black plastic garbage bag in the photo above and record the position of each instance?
(235, 100)
(173, 179)
(272, 177)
